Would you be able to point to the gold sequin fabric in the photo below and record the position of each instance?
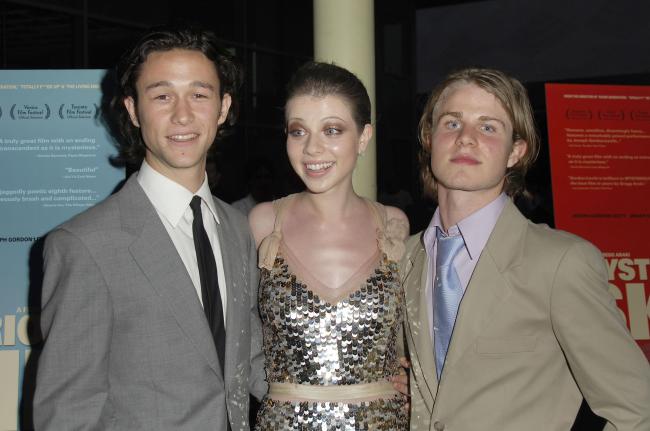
(308, 340)
(324, 416)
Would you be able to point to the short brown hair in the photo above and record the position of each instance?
(513, 97)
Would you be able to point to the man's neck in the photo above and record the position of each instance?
(190, 178)
(456, 205)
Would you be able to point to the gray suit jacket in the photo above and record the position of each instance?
(127, 343)
(536, 332)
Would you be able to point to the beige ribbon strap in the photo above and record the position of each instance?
(333, 393)
(269, 246)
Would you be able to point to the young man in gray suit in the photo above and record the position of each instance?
(149, 298)
(509, 324)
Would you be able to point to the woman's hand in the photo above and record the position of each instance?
(401, 381)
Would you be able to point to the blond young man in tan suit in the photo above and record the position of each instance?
(536, 329)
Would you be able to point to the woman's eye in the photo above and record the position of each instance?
(296, 132)
(332, 131)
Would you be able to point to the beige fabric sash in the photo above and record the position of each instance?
(341, 393)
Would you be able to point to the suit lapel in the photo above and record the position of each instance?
(158, 259)
(417, 322)
(233, 265)
(489, 286)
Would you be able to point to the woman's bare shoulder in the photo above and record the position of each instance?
(262, 221)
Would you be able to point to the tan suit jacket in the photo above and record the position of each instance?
(536, 331)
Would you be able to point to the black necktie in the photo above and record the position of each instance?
(209, 280)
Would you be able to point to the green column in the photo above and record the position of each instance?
(344, 33)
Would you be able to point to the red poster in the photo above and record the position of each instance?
(599, 137)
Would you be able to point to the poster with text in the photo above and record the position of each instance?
(54, 163)
(599, 137)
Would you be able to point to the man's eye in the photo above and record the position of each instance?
(162, 97)
(200, 96)
(453, 124)
(488, 128)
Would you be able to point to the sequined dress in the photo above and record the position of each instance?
(328, 357)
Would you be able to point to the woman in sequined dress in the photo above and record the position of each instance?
(330, 295)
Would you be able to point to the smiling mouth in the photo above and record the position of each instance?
(183, 138)
(318, 167)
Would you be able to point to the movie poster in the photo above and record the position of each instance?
(599, 138)
(54, 163)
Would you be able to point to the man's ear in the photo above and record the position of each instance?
(365, 138)
(519, 148)
(226, 101)
(129, 103)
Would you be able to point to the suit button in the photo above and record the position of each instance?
(438, 426)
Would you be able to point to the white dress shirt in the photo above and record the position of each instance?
(172, 203)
